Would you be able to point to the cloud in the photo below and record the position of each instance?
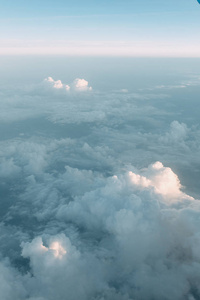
(81, 85)
(124, 90)
(56, 84)
(178, 133)
(129, 236)
(77, 85)
(8, 168)
(54, 251)
(60, 271)
(95, 235)
(11, 283)
(163, 180)
(95, 193)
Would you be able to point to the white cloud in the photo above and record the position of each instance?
(77, 85)
(59, 273)
(81, 85)
(57, 84)
(55, 249)
(163, 180)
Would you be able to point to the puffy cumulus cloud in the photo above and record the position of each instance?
(55, 249)
(124, 193)
(59, 269)
(163, 180)
(77, 85)
(131, 243)
(126, 236)
(177, 134)
(81, 85)
(56, 84)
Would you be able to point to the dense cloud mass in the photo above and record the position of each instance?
(99, 193)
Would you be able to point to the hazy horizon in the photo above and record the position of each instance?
(112, 28)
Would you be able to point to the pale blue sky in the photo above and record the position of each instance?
(125, 28)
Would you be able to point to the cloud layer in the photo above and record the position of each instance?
(121, 237)
(99, 194)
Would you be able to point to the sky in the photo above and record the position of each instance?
(106, 28)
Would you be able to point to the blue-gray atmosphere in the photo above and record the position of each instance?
(100, 172)
(100, 150)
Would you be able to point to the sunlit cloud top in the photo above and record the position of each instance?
(120, 28)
